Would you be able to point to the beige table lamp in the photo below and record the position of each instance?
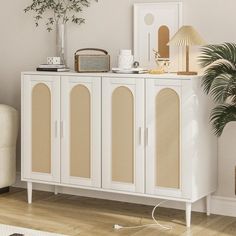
(185, 37)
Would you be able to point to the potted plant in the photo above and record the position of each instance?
(219, 80)
(58, 12)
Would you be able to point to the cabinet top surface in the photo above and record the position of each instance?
(115, 75)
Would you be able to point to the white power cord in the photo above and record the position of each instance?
(165, 227)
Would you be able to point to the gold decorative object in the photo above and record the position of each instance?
(163, 64)
(186, 36)
(155, 72)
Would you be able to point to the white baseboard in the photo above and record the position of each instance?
(223, 206)
(219, 205)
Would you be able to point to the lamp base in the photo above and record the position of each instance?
(186, 73)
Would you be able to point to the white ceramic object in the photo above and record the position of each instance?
(125, 59)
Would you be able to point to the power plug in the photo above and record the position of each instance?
(117, 227)
(165, 227)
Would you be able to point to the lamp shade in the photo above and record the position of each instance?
(186, 36)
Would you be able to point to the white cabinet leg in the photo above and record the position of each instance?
(208, 204)
(55, 190)
(29, 191)
(188, 213)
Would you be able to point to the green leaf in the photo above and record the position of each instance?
(221, 116)
(60, 10)
(219, 80)
(223, 87)
(212, 53)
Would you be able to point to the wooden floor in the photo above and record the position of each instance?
(72, 215)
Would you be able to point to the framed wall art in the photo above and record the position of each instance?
(154, 25)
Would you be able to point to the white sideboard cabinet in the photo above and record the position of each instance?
(139, 135)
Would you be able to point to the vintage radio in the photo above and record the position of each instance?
(92, 60)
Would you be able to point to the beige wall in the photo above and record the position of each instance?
(22, 47)
(109, 26)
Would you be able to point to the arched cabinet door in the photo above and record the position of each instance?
(40, 128)
(81, 131)
(123, 129)
(164, 175)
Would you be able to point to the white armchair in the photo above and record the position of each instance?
(9, 123)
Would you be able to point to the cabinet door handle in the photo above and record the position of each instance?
(56, 129)
(147, 136)
(62, 129)
(140, 136)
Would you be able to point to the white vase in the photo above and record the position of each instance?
(125, 59)
(61, 42)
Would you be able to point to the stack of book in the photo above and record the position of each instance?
(52, 67)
